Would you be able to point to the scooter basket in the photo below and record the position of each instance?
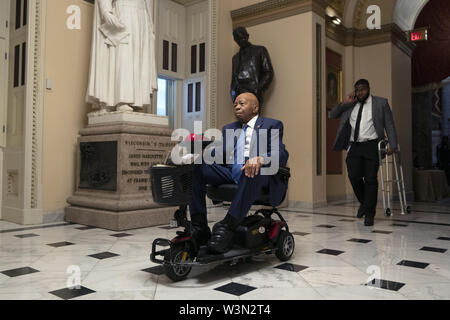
(172, 185)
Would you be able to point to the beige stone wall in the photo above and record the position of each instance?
(67, 65)
(374, 63)
(290, 97)
(402, 110)
(226, 49)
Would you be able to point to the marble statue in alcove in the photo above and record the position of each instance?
(122, 73)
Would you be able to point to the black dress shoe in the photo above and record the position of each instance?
(361, 212)
(369, 221)
(201, 234)
(221, 240)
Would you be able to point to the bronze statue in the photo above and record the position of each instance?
(252, 68)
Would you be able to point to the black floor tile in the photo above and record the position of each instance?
(29, 235)
(300, 233)
(61, 244)
(385, 284)
(444, 238)
(236, 289)
(399, 225)
(103, 255)
(68, 294)
(413, 264)
(439, 250)
(121, 235)
(19, 272)
(382, 232)
(158, 270)
(331, 252)
(86, 228)
(325, 226)
(360, 240)
(291, 267)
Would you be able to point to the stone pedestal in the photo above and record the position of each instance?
(114, 155)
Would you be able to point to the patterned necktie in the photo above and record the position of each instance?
(239, 156)
(358, 122)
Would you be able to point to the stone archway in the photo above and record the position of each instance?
(406, 13)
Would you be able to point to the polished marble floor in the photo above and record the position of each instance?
(336, 257)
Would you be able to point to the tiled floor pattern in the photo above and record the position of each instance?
(336, 257)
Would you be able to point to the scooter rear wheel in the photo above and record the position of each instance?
(178, 254)
(285, 246)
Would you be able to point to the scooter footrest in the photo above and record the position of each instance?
(204, 256)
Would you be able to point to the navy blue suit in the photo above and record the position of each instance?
(248, 188)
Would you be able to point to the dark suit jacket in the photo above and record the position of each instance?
(382, 121)
(278, 186)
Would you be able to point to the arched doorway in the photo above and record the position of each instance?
(431, 106)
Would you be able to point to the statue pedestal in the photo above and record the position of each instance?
(114, 155)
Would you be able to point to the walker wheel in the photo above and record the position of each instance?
(408, 209)
(388, 212)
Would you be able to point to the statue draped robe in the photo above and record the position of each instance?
(123, 62)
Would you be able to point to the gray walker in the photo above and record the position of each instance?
(386, 180)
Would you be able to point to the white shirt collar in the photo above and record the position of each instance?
(252, 122)
(368, 101)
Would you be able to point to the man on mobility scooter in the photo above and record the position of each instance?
(243, 165)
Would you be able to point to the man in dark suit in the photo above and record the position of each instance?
(244, 160)
(364, 119)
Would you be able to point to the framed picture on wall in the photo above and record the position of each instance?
(334, 87)
(334, 96)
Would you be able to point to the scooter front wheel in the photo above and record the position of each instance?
(285, 246)
(175, 270)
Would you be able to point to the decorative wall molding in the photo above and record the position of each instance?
(36, 88)
(364, 37)
(211, 99)
(338, 6)
(34, 105)
(271, 10)
(359, 14)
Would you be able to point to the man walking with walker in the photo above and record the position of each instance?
(364, 120)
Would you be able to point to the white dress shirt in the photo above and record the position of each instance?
(367, 129)
(248, 135)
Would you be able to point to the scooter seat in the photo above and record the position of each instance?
(226, 192)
